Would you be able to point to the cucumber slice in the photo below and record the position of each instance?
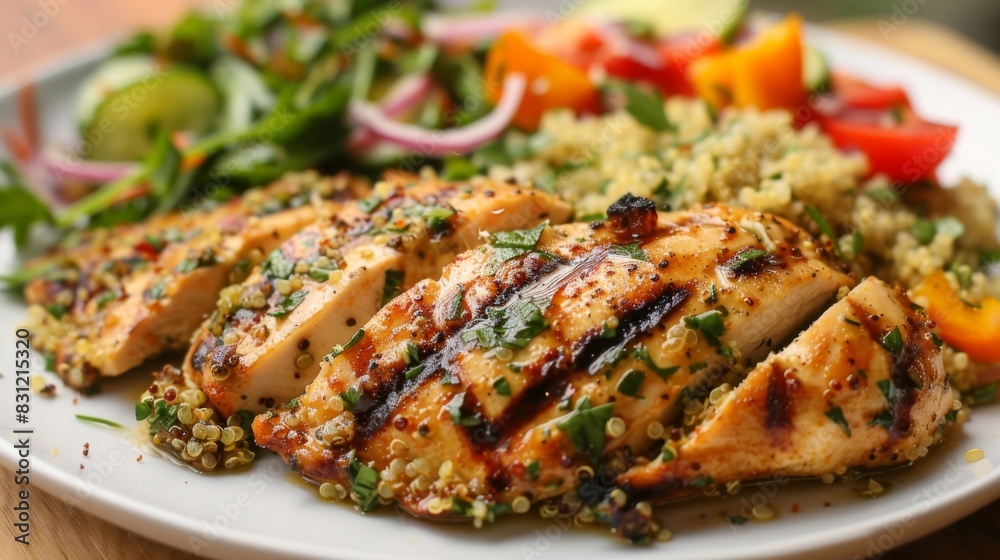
(670, 17)
(124, 104)
(815, 71)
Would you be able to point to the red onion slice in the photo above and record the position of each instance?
(439, 143)
(64, 166)
(405, 95)
(449, 30)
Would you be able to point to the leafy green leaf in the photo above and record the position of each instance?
(893, 342)
(710, 323)
(277, 265)
(20, 209)
(647, 108)
(511, 327)
(631, 382)
(454, 407)
(633, 251)
(393, 285)
(364, 484)
(350, 397)
(836, 415)
(338, 349)
(502, 386)
(585, 427)
(457, 168)
(288, 303)
(642, 353)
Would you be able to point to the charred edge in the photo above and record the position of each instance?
(393, 391)
(906, 393)
(632, 216)
(779, 402)
(590, 350)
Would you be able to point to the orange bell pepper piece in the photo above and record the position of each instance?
(975, 331)
(552, 82)
(766, 73)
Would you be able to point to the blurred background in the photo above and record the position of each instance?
(978, 20)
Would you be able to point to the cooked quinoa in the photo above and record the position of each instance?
(759, 160)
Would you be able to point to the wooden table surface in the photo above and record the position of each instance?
(60, 531)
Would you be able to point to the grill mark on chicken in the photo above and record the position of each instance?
(906, 390)
(779, 401)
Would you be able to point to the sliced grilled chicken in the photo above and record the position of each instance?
(262, 346)
(510, 379)
(863, 387)
(122, 297)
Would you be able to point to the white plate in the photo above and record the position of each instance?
(264, 512)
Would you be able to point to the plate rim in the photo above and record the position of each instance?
(167, 527)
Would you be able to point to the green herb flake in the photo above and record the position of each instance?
(277, 265)
(288, 303)
(984, 394)
(512, 327)
(883, 419)
(824, 227)
(104, 298)
(368, 205)
(642, 353)
(893, 342)
(142, 411)
(350, 397)
(836, 415)
(647, 109)
(888, 389)
(502, 386)
(533, 469)
(667, 454)
(633, 251)
(437, 219)
(710, 324)
(885, 196)
(338, 349)
(458, 416)
(695, 368)
(701, 481)
(736, 519)
(96, 420)
(631, 382)
(585, 427)
(364, 484)
(744, 259)
(393, 285)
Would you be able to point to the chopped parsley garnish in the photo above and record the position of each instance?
(608, 331)
(888, 389)
(56, 310)
(277, 265)
(632, 250)
(393, 285)
(593, 217)
(836, 415)
(502, 386)
(162, 416)
(368, 205)
(710, 323)
(338, 349)
(883, 195)
(288, 303)
(188, 265)
(509, 245)
(694, 368)
(511, 327)
(437, 218)
(454, 407)
(893, 342)
(533, 469)
(411, 353)
(667, 454)
(736, 519)
(647, 108)
(883, 419)
(364, 484)
(350, 397)
(320, 274)
(585, 427)
(104, 298)
(97, 420)
(157, 291)
(701, 481)
(851, 322)
(745, 259)
(984, 394)
(936, 340)
(142, 411)
(456, 309)
(631, 382)
(642, 353)
(824, 227)
(713, 294)
(413, 372)
(857, 243)
(925, 230)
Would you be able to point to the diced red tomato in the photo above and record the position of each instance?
(858, 94)
(896, 141)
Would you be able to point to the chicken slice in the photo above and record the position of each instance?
(263, 344)
(863, 387)
(497, 384)
(127, 295)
